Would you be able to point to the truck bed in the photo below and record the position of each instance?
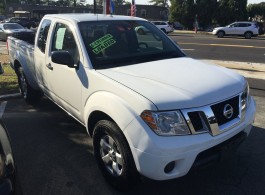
(25, 37)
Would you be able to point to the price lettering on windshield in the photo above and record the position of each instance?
(102, 43)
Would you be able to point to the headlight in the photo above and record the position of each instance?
(166, 123)
(245, 98)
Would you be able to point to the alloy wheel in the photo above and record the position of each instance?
(111, 155)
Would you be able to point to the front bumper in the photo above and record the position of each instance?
(214, 32)
(152, 153)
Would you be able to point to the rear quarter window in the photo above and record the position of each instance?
(42, 37)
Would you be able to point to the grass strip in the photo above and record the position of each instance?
(8, 81)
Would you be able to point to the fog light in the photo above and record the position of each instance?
(170, 166)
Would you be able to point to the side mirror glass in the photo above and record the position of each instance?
(64, 58)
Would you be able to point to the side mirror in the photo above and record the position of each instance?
(1, 69)
(64, 58)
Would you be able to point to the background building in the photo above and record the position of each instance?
(149, 12)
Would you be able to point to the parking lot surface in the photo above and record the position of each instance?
(54, 156)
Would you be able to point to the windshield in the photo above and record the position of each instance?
(12, 26)
(120, 43)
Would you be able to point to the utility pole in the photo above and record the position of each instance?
(95, 7)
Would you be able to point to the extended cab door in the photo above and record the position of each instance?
(63, 82)
(40, 54)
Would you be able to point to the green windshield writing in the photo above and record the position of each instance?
(102, 43)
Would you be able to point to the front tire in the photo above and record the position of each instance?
(248, 35)
(220, 34)
(113, 155)
(30, 95)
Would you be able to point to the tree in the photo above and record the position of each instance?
(2, 7)
(256, 10)
(182, 11)
(206, 12)
(232, 10)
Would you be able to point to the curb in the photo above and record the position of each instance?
(253, 72)
(14, 95)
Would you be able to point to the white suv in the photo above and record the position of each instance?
(166, 27)
(246, 29)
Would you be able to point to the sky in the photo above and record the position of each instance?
(146, 2)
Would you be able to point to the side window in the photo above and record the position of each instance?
(63, 40)
(242, 25)
(234, 25)
(42, 38)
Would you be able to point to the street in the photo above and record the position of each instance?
(200, 46)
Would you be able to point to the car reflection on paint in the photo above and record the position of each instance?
(15, 30)
(141, 30)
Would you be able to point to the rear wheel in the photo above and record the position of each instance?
(164, 30)
(220, 34)
(30, 95)
(248, 35)
(114, 156)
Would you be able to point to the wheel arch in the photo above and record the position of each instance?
(94, 117)
(105, 105)
(249, 32)
(29, 70)
(221, 31)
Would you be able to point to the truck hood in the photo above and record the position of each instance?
(178, 83)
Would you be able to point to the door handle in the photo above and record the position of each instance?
(49, 66)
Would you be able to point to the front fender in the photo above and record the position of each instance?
(112, 105)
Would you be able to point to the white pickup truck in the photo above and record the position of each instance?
(151, 110)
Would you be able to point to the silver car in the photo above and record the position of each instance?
(14, 29)
(246, 29)
(165, 26)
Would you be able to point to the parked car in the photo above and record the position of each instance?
(16, 30)
(246, 29)
(9, 183)
(23, 21)
(165, 26)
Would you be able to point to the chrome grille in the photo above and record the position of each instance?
(218, 110)
(212, 119)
